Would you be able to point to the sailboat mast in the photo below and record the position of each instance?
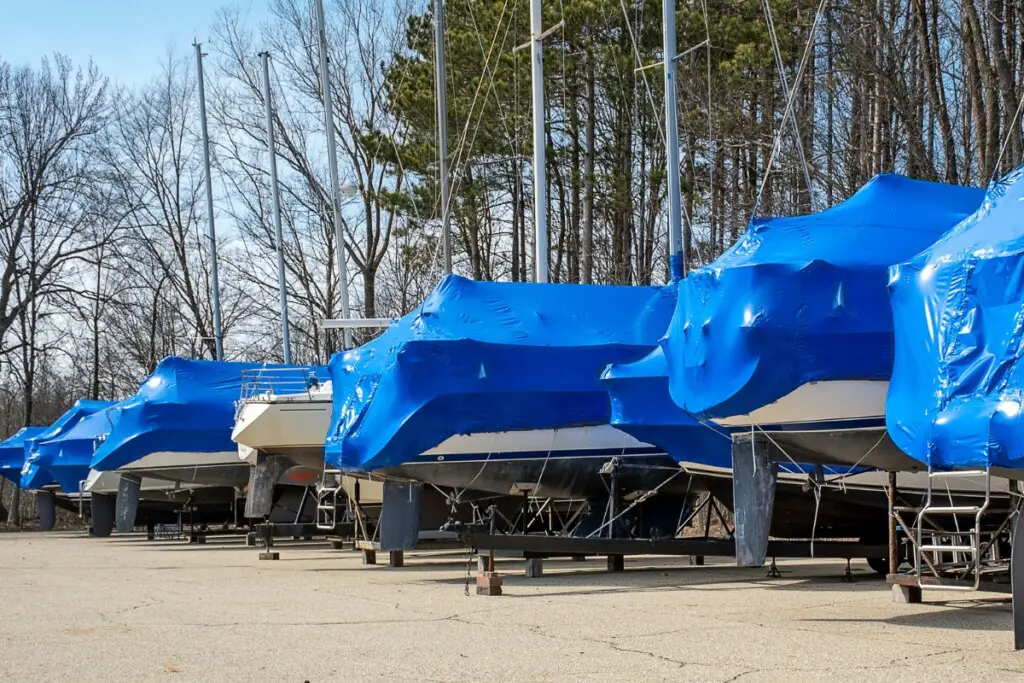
(676, 253)
(540, 216)
(211, 231)
(442, 132)
(275, 194)
(332, 158)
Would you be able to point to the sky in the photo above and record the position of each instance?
(127, 39)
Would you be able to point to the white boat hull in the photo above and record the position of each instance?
(819, 405)
(282, 426)
(107, 482)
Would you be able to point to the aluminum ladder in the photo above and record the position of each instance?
(956, 552)
(327, 500)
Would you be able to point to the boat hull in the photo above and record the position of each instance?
(284, 424)
(221, 468)
(547, 463)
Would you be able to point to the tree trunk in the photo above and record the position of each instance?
(974, 88)
(933, 83)
(993, 18)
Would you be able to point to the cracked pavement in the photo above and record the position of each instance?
(129, 609)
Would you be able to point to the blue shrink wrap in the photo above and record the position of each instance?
(63, 452)
(484, 357)
(803, 299)
(12, 452)
(641, 407)
(957, 387)
(185, 406)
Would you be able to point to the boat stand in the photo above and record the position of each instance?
(540, 547)
(400, 523)
(755, 468)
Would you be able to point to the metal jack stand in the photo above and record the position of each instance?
(489, 582)
(848, 574)
(773, 571)
(268, 541)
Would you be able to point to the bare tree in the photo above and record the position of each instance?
(50, 118)
(154, 165)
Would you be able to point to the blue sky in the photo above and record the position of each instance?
(127, 39)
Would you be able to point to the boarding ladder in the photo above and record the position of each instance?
(82, 493)
(327, 500)
(946, 556)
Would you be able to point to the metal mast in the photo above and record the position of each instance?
(332, 155)
(540, 202)
(676, 253)
(212, 233)
(442, 132)
(276, 196)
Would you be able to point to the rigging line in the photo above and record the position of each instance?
(814, 524)
(643, 74)
(1009, 134)
(320, 187)
(862, 458)
(789, 105)
(458, 498)
(554, 434)
(711, 137)
(639, 500)
(782, 450)
(490, 86)
(476, 128)
(784, 80)
(491, 75)
(476, 95)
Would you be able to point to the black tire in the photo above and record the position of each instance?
(880, 565)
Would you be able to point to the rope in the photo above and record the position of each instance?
(814, 524)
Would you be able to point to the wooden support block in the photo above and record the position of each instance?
(534, 568)
(697, 560)
(337, 544)
(250, 540)
(906, 594)
(197, 538)
(616, 563)
(369, 556)
(270, 555)
(396, 558)
(488, 583)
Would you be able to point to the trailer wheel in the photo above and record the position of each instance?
(880, 565)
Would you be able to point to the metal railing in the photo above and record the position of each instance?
(279, 381)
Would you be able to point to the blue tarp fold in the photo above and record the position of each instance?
(42, 451)
(642, 407)
(12, 452)
(66, 456)
(803, 298)
(957, 388)
(483, 357)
